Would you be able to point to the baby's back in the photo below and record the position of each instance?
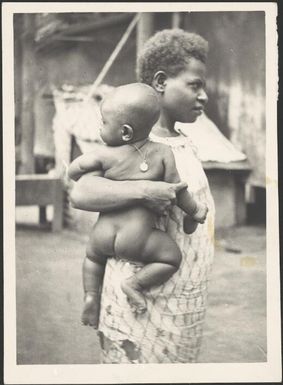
(123, 231)
(126, 162)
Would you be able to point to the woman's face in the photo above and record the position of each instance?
(184, 96)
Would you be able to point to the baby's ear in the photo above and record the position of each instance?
(127, 133)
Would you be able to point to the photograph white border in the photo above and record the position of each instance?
(149, 373)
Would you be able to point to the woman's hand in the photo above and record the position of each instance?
(159, 196)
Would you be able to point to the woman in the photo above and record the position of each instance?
(173, 63)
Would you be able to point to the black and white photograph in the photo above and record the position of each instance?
(132, 238)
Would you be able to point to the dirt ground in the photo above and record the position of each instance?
(49, 298)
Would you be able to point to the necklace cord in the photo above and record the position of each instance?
(144, 164)
(140, 152)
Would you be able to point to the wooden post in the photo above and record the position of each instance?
(145, 29)
(240, 198)
(18, 83)
(28, 95)
(176, 20)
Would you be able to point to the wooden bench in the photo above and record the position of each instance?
(41, 190)
(227, 184)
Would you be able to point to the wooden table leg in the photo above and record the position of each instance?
(42, 215)
(57, 222)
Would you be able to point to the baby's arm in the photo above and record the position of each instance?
(84, 164)
(196, 210)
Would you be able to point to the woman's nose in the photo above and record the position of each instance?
(202, 96)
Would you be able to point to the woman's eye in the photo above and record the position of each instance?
(195, 86)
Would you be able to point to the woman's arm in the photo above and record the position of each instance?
(196, 211)
(95, 193)
(184, 199)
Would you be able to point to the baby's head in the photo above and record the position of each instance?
(129, 112)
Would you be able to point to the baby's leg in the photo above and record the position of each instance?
(163, 257)
(93, 273)
(99, 247)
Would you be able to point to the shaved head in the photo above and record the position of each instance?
(135, 104)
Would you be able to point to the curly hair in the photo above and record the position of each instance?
(169, 50)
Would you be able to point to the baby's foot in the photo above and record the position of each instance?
(90, 314)
(134, 293)
(201, 213)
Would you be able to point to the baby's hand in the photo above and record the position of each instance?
(201, 213)
(189, 224)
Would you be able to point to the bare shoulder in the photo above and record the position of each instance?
(100, 150)
(161, 148)
(164, 152)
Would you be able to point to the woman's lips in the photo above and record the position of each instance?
(198, 110)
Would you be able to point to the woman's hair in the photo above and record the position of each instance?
(169, 50)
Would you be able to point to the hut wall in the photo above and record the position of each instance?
(236, 79)
(78, 63)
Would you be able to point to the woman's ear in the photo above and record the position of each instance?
(159, 81)
(127, 133)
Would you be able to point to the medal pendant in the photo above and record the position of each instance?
(144, 166)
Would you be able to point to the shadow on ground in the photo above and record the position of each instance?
(49, 299)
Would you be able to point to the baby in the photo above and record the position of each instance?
(129, 113)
